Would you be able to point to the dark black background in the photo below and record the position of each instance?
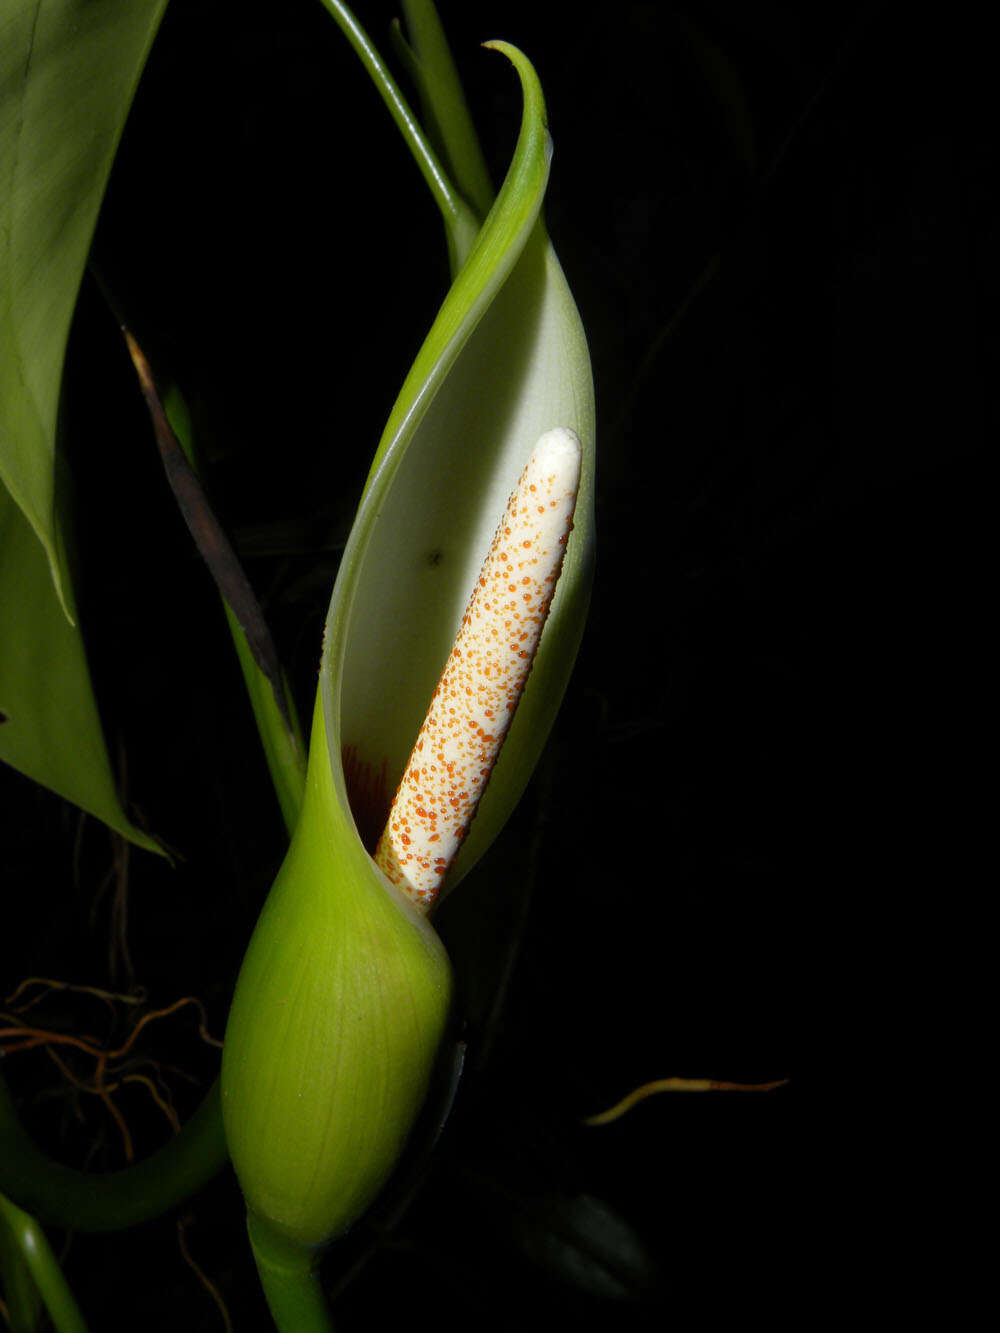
(758, 808)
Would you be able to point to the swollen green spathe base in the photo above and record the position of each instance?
(338, 1014)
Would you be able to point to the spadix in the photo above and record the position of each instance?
(485, 674)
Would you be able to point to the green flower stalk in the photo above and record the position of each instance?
(32, 1276)
(344, 994)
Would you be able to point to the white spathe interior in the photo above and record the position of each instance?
(523, 371)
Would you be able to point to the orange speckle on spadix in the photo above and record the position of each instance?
(485, 682)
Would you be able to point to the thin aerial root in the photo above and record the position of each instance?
(42, 1037)
(161, 1101)
(109, 1077)
(164, 1013)
(138, 996)
(676, 1085)
(202, 1276)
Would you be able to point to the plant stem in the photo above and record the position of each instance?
(23, 1302)
(290, 1278)
(461, 224)
(445, 108)
(36, 1255)
(93, 1202)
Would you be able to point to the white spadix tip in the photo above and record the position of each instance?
(485, 674)
(558, 448)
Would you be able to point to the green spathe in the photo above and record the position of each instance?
(344, 992)
(338, 1014)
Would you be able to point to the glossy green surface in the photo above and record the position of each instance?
(68, 71)
(338, 1013)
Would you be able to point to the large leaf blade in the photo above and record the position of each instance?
(50, 729)
(68, 72)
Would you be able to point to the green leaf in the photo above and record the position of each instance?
(68, 72)
(723, 85)
(50, 729)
